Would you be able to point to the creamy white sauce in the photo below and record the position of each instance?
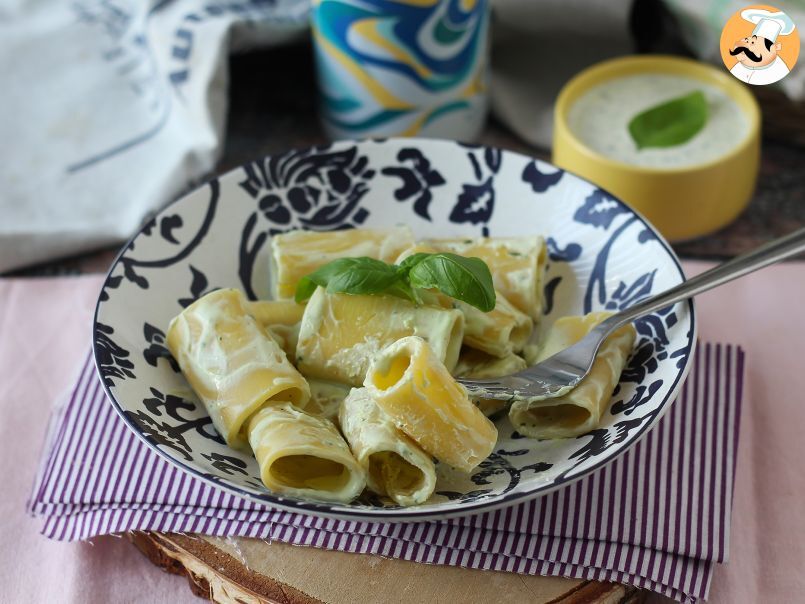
(523, 279)
(432, 324)
(221, 369)
(476, 322)
(367, 427)
(356, 359)
(515, 246)
(600, 119)
(325, 398)
(369, 430)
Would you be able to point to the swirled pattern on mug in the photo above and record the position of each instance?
(404, 67)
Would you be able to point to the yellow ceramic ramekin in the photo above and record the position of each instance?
(681, 202)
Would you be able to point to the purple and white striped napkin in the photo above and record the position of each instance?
(658, 517)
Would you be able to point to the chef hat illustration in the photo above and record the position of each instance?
(769, 25)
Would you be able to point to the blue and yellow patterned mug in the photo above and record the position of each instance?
(402, 67)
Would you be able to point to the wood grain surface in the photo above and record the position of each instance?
(252, 571)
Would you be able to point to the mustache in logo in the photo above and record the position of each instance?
(743, 49)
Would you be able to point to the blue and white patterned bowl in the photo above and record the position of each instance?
(602, 256)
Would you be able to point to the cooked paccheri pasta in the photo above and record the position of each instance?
(580, 410)
(231, 362)
(499, 332)
(478, 365)
(411, 384)
(287, 336)
(347, 379)
(295, 254)
(303, 455)
(326, 398)
(280, 318)
(517, 265)
(395, 465)
(276, 312)
(341, 334)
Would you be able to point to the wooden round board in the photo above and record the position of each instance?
(252, 571)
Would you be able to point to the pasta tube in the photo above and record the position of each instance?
(394, 464)
(303, 456)
(280, 318)
(286, 336)
(231, 363)
(298, 253)
(408, 381)
(326, 398)
(499, 332)
(276, 312)
(341, 333)
(478, 365)
(581, 409)
(517, 265)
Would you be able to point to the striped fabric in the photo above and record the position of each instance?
(658, 517)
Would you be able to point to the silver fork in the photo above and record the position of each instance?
(558, 374)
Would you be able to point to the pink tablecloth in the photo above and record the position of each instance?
(44, 329)
(44, 334)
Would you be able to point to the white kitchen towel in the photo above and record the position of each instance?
(110, 108)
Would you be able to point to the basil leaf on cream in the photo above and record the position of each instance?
(670, 123)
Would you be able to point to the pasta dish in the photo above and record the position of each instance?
(345, 379)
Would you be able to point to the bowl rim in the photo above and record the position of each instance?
(373, 514)
(622, 67)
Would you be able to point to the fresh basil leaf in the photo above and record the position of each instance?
(403, 290)
(321, 277)
(465, 279)
(360, 275)
(365, 278)
(412, 261)
(304, 289)
(671, 123)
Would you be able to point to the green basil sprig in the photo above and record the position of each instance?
(465, 279)
(671, 123)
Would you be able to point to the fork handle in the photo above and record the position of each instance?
(774, 251)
